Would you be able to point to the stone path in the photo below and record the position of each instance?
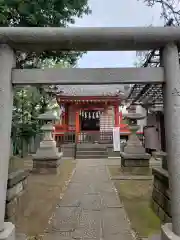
(90, 208)
(132, 177)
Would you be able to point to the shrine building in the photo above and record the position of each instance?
(90, 113)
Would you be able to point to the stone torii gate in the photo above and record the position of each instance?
(93, 39)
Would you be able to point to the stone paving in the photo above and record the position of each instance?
(90, 208)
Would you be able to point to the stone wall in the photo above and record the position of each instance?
(161, 194)
(17, 185)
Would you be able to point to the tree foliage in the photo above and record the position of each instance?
(29, 102)
(170, 13)
(170, 9)
(42, 13)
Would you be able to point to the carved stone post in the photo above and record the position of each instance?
(134, 154)
(172, 129)
(47, 158)
(7, 62)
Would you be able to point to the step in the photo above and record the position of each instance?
(91, 153)
(90, 156)
(91, 149)
(92, 145)
(103, 155)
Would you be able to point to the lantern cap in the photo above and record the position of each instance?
(134, 116)
(49, 115)
(47, 127)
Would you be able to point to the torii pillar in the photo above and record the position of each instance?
(7, 62)
(170, 61)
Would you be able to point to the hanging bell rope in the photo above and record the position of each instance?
(89, 115)
(93, 115)
(97, 115)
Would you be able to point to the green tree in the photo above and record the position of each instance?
(42, 13)
(170, 13)
(30, 101)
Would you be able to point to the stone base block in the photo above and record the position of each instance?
(46, 166)
(134, 163)
(9, 232)
(134, 160)
(161, 203)
(167, 233)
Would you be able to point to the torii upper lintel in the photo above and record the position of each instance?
(89, 38)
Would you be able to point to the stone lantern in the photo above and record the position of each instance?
(134, 154)
(47, 158)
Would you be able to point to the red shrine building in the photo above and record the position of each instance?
(89, 113)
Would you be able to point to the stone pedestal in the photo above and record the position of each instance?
(131, 160)
(47, 158)
(134, 154)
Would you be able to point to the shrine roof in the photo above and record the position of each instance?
(88, 99)
(146, 94)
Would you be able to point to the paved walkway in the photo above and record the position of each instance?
(90, 208)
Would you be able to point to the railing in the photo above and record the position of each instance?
(95, 137)
(84, 137)
(89, 137)
(65, 137)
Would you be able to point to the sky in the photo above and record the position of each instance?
(116, 13)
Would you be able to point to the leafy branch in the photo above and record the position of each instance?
(170, 9)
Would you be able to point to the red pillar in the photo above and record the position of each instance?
(63, 120)
(116, 115)
(120, 117)
(66, 120)
(77, 124)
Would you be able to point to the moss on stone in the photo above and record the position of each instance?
(136, 196)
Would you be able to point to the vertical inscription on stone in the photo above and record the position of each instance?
(1, 90)
(175, 92)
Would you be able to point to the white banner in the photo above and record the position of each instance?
(116, 139)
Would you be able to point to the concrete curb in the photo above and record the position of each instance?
(61, 197)
(133, 233)
(133, 177)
